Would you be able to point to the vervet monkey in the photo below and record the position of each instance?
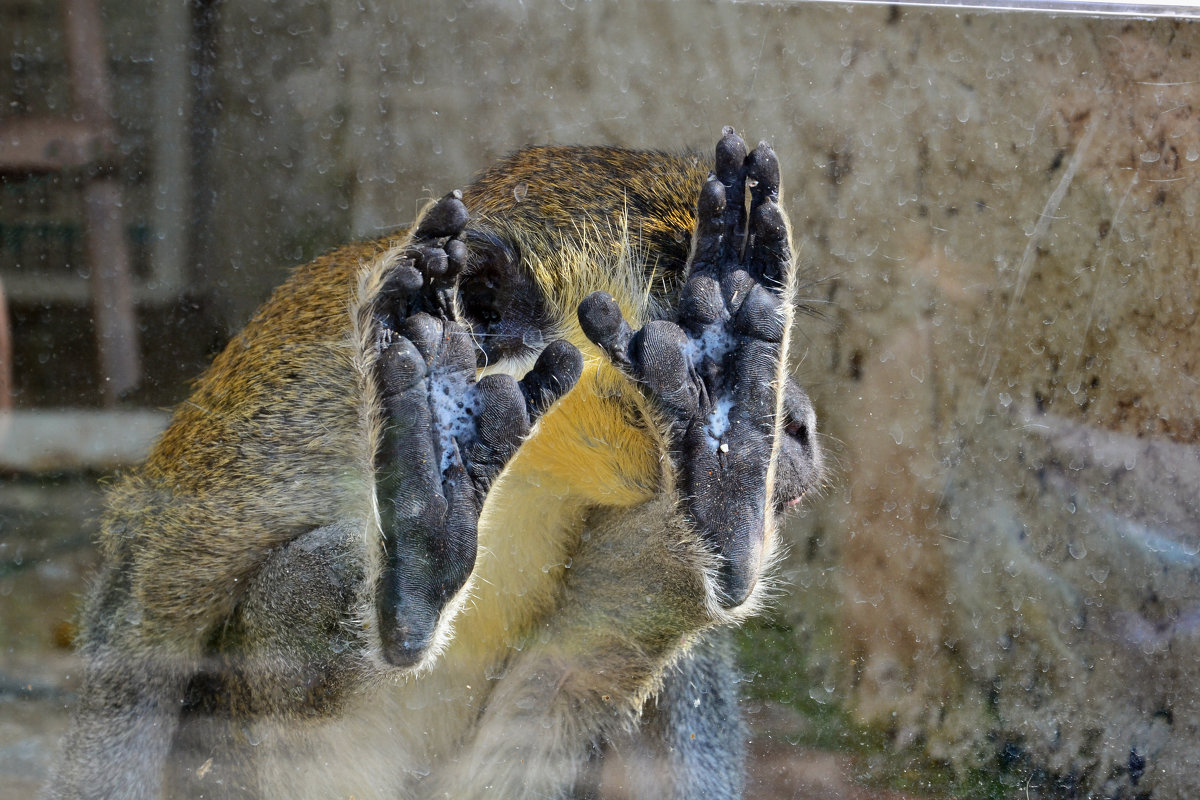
(365, 560)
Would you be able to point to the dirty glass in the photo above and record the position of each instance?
(996, 592)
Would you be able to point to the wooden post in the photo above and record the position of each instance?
(6, 356)
(106, 249)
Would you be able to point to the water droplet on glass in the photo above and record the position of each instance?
(533, 339)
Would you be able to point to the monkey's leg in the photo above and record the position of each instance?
(696, 727)
(128, 707)
(288, 659)
(445, 436)
(634, 598)
(691, 741)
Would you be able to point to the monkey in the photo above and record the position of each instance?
(465, 508)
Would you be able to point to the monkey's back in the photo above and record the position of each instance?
(272, 442)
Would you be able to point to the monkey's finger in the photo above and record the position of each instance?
(456, 258)
(405, 279)
(661, 362)
(458, 540)
(401, 367)
(501, 424)
(762, 175)
(555, 373)
(761, 316)
(445, 345)
(430, 261)
(700, 303)
(425, 332)
(735, 287)
(605, 326)
(447, 217)
(769, 256)
(407, 463)
(730, 170)
(457, 354)
(710, 235)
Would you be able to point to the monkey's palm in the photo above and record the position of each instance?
(715, 374)
(445, 436)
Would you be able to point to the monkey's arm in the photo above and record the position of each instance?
(584, 676)
(445, 436)
(647, 581)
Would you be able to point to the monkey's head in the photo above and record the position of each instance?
(545, 229)
(551, 225)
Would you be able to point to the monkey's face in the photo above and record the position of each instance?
(500, 299)
(800, 463)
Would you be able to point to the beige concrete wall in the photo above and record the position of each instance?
(996, 216)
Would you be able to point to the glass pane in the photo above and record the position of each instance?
(994, 593)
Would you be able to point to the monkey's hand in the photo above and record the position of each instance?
(445, 435)
(716, 375)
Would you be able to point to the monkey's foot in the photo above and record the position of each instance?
(445, 435)
(716, 374)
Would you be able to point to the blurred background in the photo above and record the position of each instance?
(998, 594)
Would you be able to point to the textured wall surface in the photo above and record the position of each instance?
(996, 215)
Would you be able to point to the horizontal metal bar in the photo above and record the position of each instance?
(1110, 8)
